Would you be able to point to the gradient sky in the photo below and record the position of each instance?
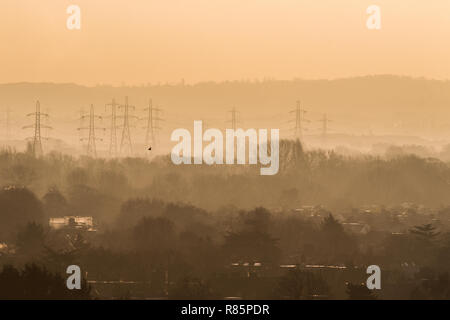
(148, 41)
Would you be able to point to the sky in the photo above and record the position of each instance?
(157, 41)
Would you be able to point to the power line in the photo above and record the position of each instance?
(325, 122)
(113, 129)
(234, 118)
(125, 142)
(37, 141)
(152, 124)
(91, 146)
(299, 120)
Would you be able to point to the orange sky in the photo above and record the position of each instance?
(142, 41)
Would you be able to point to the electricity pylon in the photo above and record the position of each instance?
(7, 124)
(91, 146)
(299, 120)
(113, 131)
(234, 122)
(325, 122)
(152, 124)
(234, 119)
(80, 134)
(125, 142)
(37, 140)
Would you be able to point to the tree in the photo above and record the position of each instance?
(424, 244)
(298, 284)
(336, 244)
(257, 220)
(253, 242)
(426, 232)
(251, 246)
(398, 249)
(289, 198)
(133, 210)
(90, 202)
(35, 282)
(112, 182)
(359, 292)
(55, 204)
(78, 176)
(191, 288)
(30, 239)
(20, 174)
(154, 235)
(19, 206)
(332, 226)
(432, 285)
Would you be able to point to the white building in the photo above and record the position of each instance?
(75, 222)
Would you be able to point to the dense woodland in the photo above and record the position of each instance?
(225, 231)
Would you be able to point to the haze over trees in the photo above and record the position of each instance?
(206, 232)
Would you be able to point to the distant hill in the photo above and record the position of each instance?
(373, 104)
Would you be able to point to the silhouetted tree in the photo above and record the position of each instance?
(191, 288)
(336, 244)
(19, 206)
(431, 286)
(359, 292)
(154, 235)
(426, 232)
(133, 210)
(35, 282)
(253, 242)
(423, 241)
(55, 204)
(20, 174)
(298, 284)
(30, 240)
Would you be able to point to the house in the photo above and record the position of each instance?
(72, 222)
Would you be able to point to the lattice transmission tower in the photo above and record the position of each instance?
(91, 149)
(299, 120)
(234, 118)
(152, 128)
(126, 147)
(113, 151)
(37, 126)
(325, 120)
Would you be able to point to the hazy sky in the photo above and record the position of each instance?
(142, 41)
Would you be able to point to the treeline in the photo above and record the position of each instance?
(181, 251)
(212, 232)
(97, 187)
